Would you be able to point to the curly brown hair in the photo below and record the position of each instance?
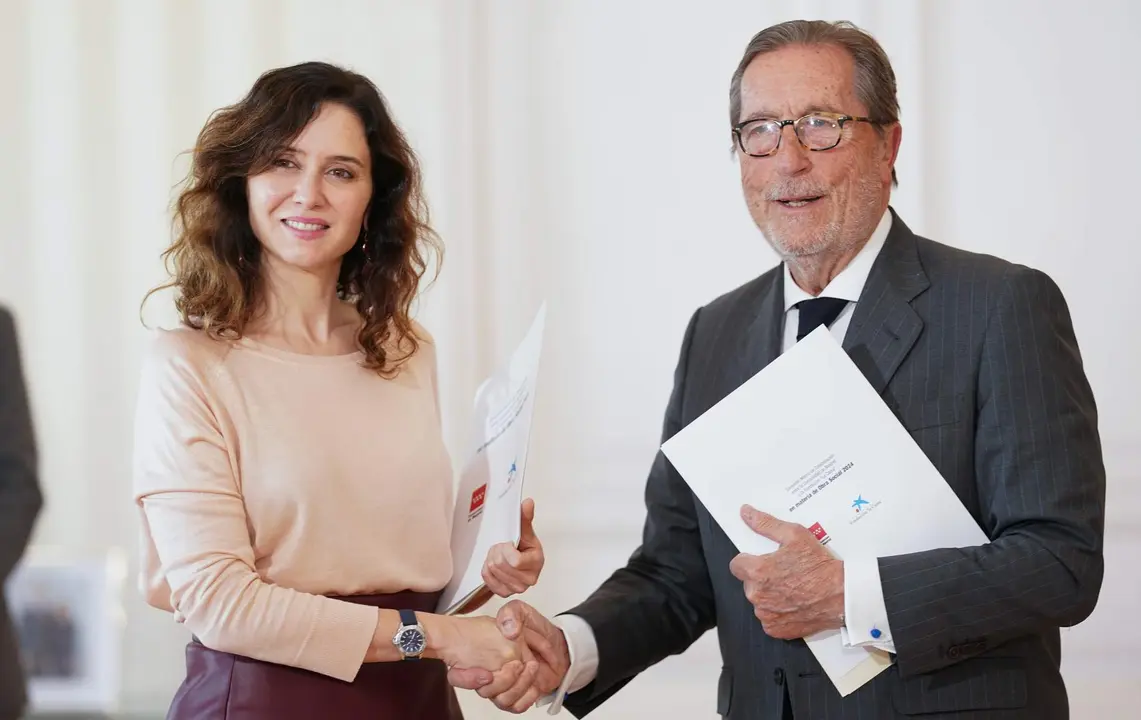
(215, 258)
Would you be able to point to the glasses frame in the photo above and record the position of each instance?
(839, 118)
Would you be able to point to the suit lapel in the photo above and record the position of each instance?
(747, 341)
(884, 326)
(760, 343)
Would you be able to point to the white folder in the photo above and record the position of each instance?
(808, 440)
(490, 489)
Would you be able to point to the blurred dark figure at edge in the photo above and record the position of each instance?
(20, 502)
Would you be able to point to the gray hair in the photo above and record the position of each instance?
(874, 81)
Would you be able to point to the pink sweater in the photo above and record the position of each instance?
(267, 480)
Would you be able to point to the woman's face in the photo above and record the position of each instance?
(309, 207)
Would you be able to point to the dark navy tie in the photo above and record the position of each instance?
(816, 312)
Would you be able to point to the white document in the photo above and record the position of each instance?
(490, 489)
(808, 440)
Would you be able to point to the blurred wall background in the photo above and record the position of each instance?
(576, 152)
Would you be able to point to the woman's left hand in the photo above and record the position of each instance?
(509, 570)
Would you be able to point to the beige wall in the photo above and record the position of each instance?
(575, 152)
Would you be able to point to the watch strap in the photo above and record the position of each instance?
(408, 617)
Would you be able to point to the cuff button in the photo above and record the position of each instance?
(876, 633)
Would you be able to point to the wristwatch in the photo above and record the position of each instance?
(410, 638)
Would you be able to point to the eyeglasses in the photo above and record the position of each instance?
(815, 131)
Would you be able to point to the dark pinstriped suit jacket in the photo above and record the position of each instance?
(978, 359)
(20, 502)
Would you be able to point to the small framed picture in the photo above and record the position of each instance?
(68, 619)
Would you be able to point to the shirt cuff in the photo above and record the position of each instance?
(583, 651)
(865, 615)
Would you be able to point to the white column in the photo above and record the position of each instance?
(56, 323)
(16, 188)
(232, 40)
(454, 307)
(900, 27)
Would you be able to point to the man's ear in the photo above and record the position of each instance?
(894, 139)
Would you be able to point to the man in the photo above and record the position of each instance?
(977, 358)
(20, 503)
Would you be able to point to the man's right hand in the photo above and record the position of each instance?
(512, 689)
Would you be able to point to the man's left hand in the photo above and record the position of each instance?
(796, 591)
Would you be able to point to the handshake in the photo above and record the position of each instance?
(513, 659)
(518, 656)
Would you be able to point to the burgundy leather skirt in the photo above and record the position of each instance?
(222, 686)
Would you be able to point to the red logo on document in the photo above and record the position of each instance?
(818, 530)
(477, 497)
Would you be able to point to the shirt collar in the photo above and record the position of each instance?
(850, 282)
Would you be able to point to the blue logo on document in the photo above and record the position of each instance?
(862, 508)
(512, 474)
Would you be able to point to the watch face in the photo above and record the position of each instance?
(411, 642)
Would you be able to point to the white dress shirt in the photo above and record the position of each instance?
(864, 612)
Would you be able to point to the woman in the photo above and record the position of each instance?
(291, 477)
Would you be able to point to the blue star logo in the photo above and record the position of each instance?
(858, 502)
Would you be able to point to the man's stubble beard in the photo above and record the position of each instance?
(836, 236)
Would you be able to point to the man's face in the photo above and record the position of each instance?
(811, 202)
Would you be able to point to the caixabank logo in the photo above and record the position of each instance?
(861, 508)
